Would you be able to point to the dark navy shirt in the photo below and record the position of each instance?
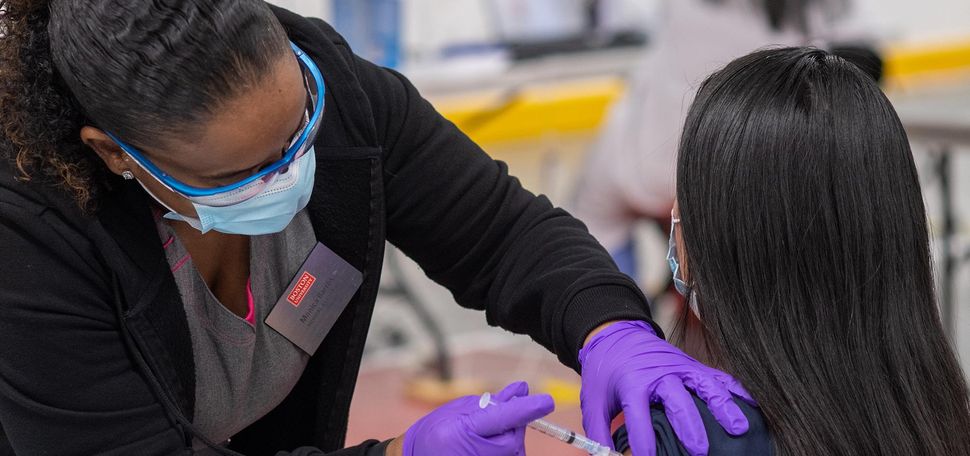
(756, 442)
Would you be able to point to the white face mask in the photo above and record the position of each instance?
(268, 212)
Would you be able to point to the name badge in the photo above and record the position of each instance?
(315, 298)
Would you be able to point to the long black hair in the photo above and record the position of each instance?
(144, 70)
(807, 248)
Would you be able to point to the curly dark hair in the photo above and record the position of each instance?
(143, 70)
(40, 120)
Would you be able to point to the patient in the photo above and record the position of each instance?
(801, 242)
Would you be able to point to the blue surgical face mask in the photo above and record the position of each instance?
(679, 283)
(268, 212)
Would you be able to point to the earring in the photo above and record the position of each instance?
(128, 175)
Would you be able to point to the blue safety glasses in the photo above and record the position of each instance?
(251, 186)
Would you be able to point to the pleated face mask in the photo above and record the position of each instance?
(270, 211)
(266, 201)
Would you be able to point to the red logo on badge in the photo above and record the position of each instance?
(301, 289)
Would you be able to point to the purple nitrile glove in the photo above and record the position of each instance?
(626, 367)
(462, 428)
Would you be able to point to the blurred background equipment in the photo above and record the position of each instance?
(535, 82)
(372, 27)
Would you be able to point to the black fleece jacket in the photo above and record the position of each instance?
(96, 356)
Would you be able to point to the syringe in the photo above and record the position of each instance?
(560, 433)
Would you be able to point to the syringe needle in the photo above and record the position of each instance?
(560, 433)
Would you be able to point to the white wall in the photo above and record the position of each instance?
(315, 8)
(428, 23)
(917, 21)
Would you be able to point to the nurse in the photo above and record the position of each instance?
(178, 174)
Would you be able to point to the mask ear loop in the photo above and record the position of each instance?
(194, 222)
(156, 198)
(672, 256)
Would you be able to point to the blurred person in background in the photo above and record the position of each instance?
(800, 239)
(629, 174)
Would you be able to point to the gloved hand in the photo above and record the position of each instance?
(627, 367)
(462, 428)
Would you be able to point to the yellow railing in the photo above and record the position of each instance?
(909, 61)
(579, 107)
(559, 108)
